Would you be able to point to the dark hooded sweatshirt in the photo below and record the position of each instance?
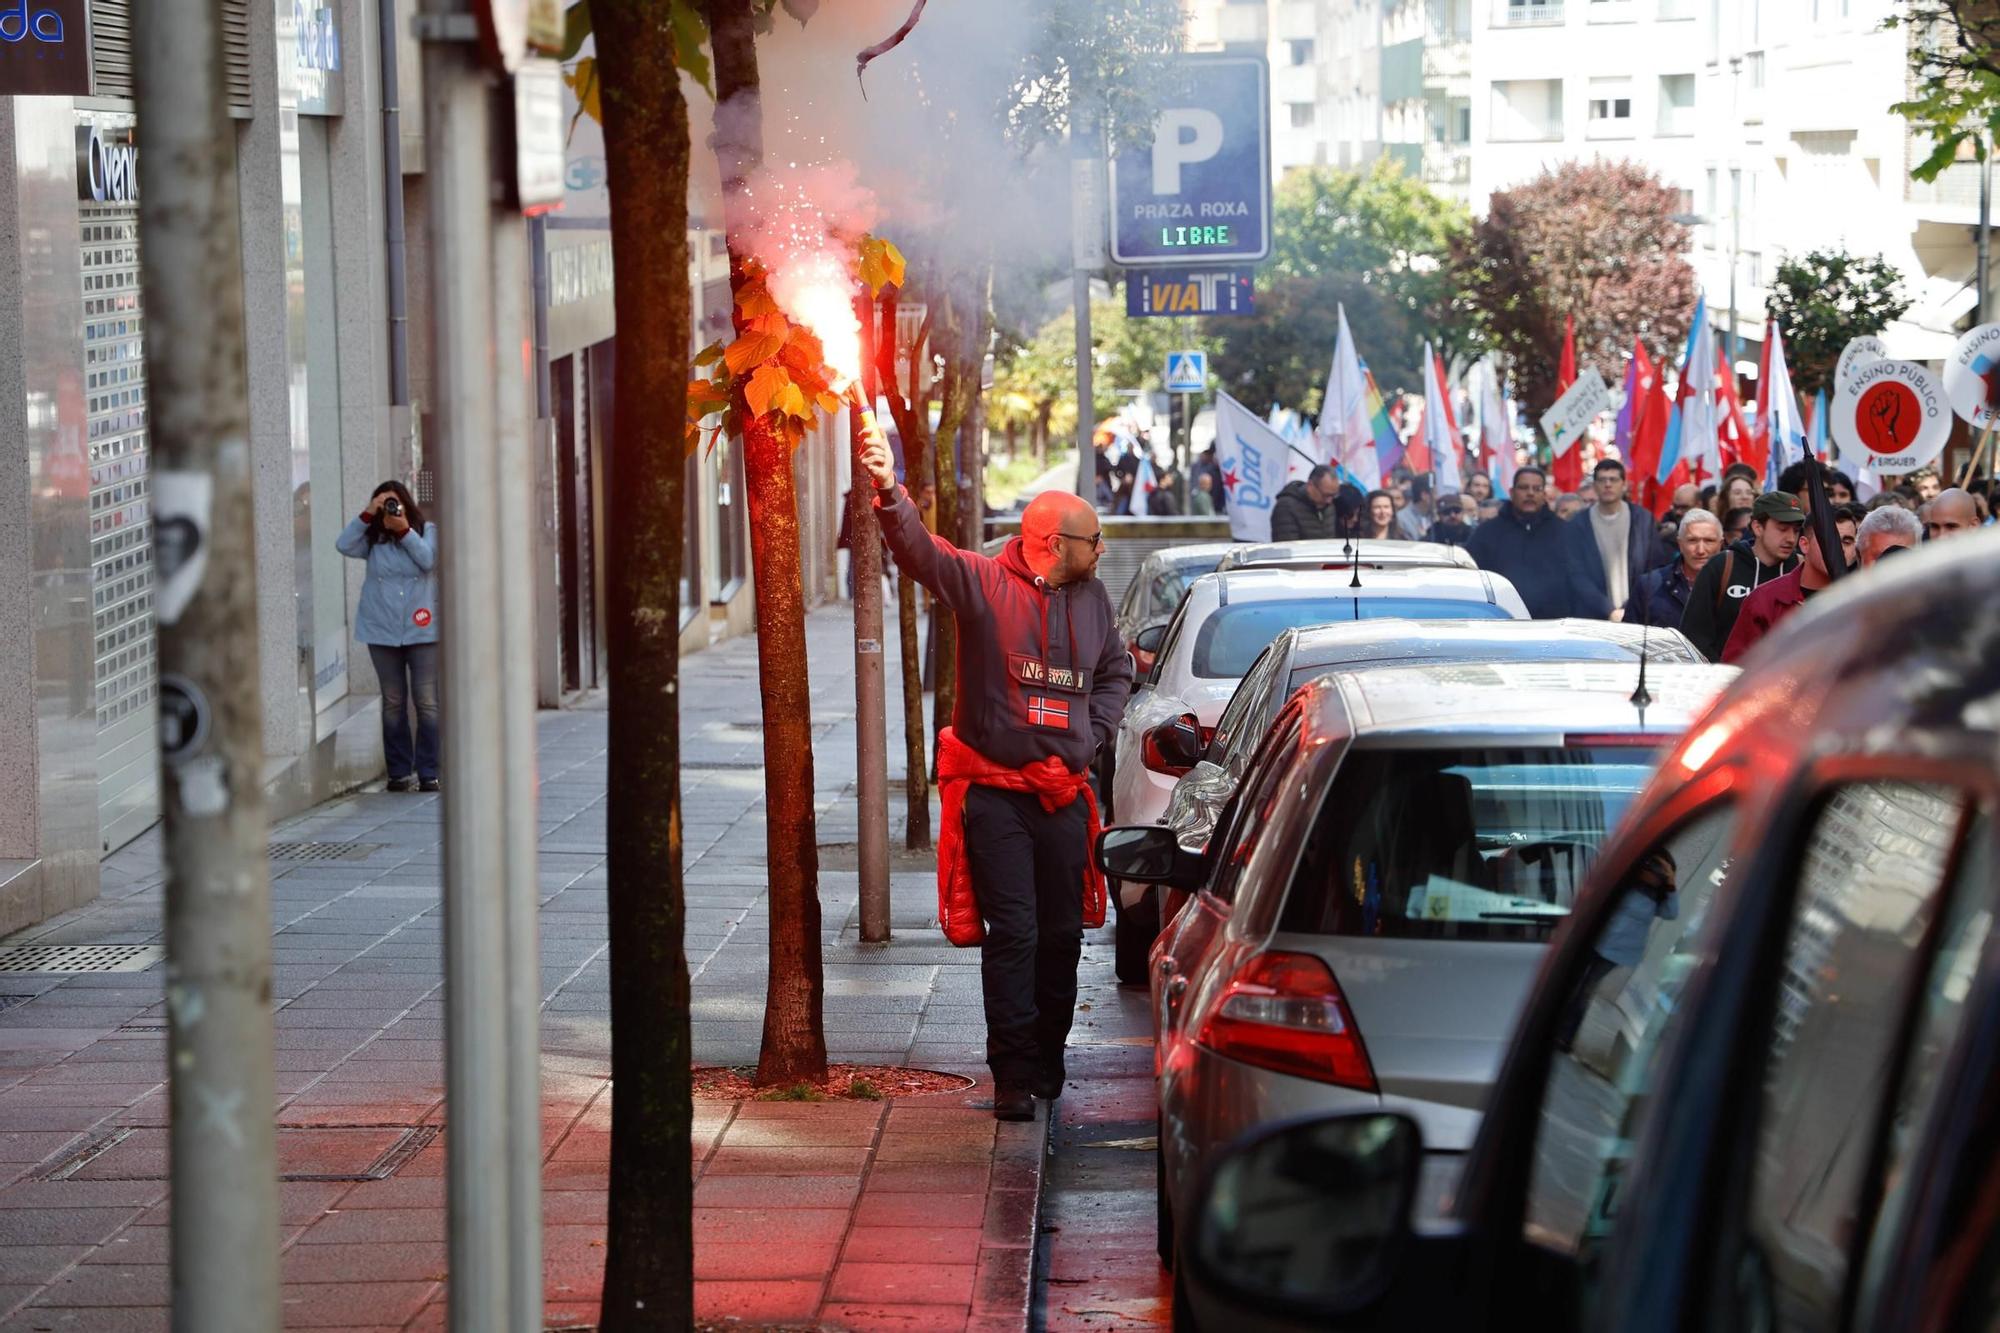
(1712, 603)
(1041, 670)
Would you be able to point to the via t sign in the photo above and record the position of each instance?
(1201, 191)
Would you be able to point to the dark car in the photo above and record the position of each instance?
(1757, 1082)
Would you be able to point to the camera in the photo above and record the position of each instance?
(393, 506)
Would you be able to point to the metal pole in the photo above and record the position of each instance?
(871, 740)
(481, 856)
(1086, 241)
(1984, 242)
(222, 1131)
(514, 471)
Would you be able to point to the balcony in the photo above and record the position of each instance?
(1447, 164)
(1447, 60)
(1529, 14)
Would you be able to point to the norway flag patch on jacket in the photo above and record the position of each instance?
(1046, 712)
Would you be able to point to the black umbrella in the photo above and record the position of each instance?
(1820, 518)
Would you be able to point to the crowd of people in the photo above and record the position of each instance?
(1723, 564)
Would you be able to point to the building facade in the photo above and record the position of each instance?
(327, 105)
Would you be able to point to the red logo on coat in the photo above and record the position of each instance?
(421, 617)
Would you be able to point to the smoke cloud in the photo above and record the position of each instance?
(923, 159)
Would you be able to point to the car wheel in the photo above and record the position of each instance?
(1138, 926)
(1163, 1206)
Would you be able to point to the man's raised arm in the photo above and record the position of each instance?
(950, 573)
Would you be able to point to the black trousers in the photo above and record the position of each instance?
(1027, 872)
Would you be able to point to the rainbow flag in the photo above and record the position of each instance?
(1388, 444)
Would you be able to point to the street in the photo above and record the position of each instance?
(916, 1213)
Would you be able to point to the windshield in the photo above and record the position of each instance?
(1230, 639)
(1486, 844)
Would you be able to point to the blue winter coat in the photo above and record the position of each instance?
(400, 595)
(1643, 554)
(1528, 553)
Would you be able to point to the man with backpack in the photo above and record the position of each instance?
(1770, 552)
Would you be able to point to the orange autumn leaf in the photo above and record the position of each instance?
(764, 387)
(750, 351)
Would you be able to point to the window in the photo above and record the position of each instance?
(1451, 844)
(1867, 884)
(1684, 202)
(1961, 938)
(1254, 802)
(1300, 50)
(1677, 105)
(1302, 115)
(1229, 641)
(1527, 110)
(1618, 1018)
(1610, 107)
(1242, 724)
(1753, 70)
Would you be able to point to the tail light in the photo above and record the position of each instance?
(1285, 1012)
(1142, 662)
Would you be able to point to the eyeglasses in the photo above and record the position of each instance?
(1096, 539)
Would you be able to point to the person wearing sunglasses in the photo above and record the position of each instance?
(1043, 676)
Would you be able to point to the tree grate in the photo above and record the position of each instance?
(139, 1152)
(75, 958)
(324, 851)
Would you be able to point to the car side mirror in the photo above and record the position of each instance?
(1303, 1220)
(1174, 746)
(1149, 854)
(1149, 639)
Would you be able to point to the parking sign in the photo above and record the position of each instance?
(1201, 192)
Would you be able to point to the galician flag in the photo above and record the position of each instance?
(1252, 457)
(1145, 483)
(1779, 420)
(1691, 448)
(1346, 433)
(1441, 437)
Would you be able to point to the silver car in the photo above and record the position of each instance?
(1300, 655)
(1382, 889)
(1347, 552)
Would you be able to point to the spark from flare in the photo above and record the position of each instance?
(808, 220)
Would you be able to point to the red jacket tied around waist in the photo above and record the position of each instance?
(959, 768)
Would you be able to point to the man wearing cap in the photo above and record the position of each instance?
(1770, 552)
(1779, 597)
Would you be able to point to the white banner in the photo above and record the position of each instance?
(1254, 460)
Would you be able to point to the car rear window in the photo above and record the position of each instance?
(1464, 844)
(1230, 640)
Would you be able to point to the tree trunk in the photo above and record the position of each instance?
(649, 1255)
(794, 1045)
(1013, 436)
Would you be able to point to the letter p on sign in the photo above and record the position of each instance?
(1185, 136)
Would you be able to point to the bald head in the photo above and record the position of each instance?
(1061, 537)
(1952, 512)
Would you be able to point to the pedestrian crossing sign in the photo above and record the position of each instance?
(1187, 372)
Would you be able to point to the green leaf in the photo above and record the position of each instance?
(690, 31)
(1941, 157)
(576, 27)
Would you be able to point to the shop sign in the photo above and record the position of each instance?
(44, 48)
(315, 39)
(107, 165)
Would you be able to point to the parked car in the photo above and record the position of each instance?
(1299, 655)
(1345, 553)
(1776, 1106)
(1402, 848)
(1155, 593)
(1224, 622)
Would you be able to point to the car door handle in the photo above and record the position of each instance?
(1176, 988)
(1167, 967)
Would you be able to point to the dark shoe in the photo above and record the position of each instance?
(428, 784)
(402, 784)
(1013, 1104)
(1049, 1087)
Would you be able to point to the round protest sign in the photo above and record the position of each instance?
(1859, 352)
(1972, 376)
(1891, 416)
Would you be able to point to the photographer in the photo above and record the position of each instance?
(397, 619)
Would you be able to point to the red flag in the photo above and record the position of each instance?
(1738, 444)
(1649, 436)
(1568, 470)
(1416, 449)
